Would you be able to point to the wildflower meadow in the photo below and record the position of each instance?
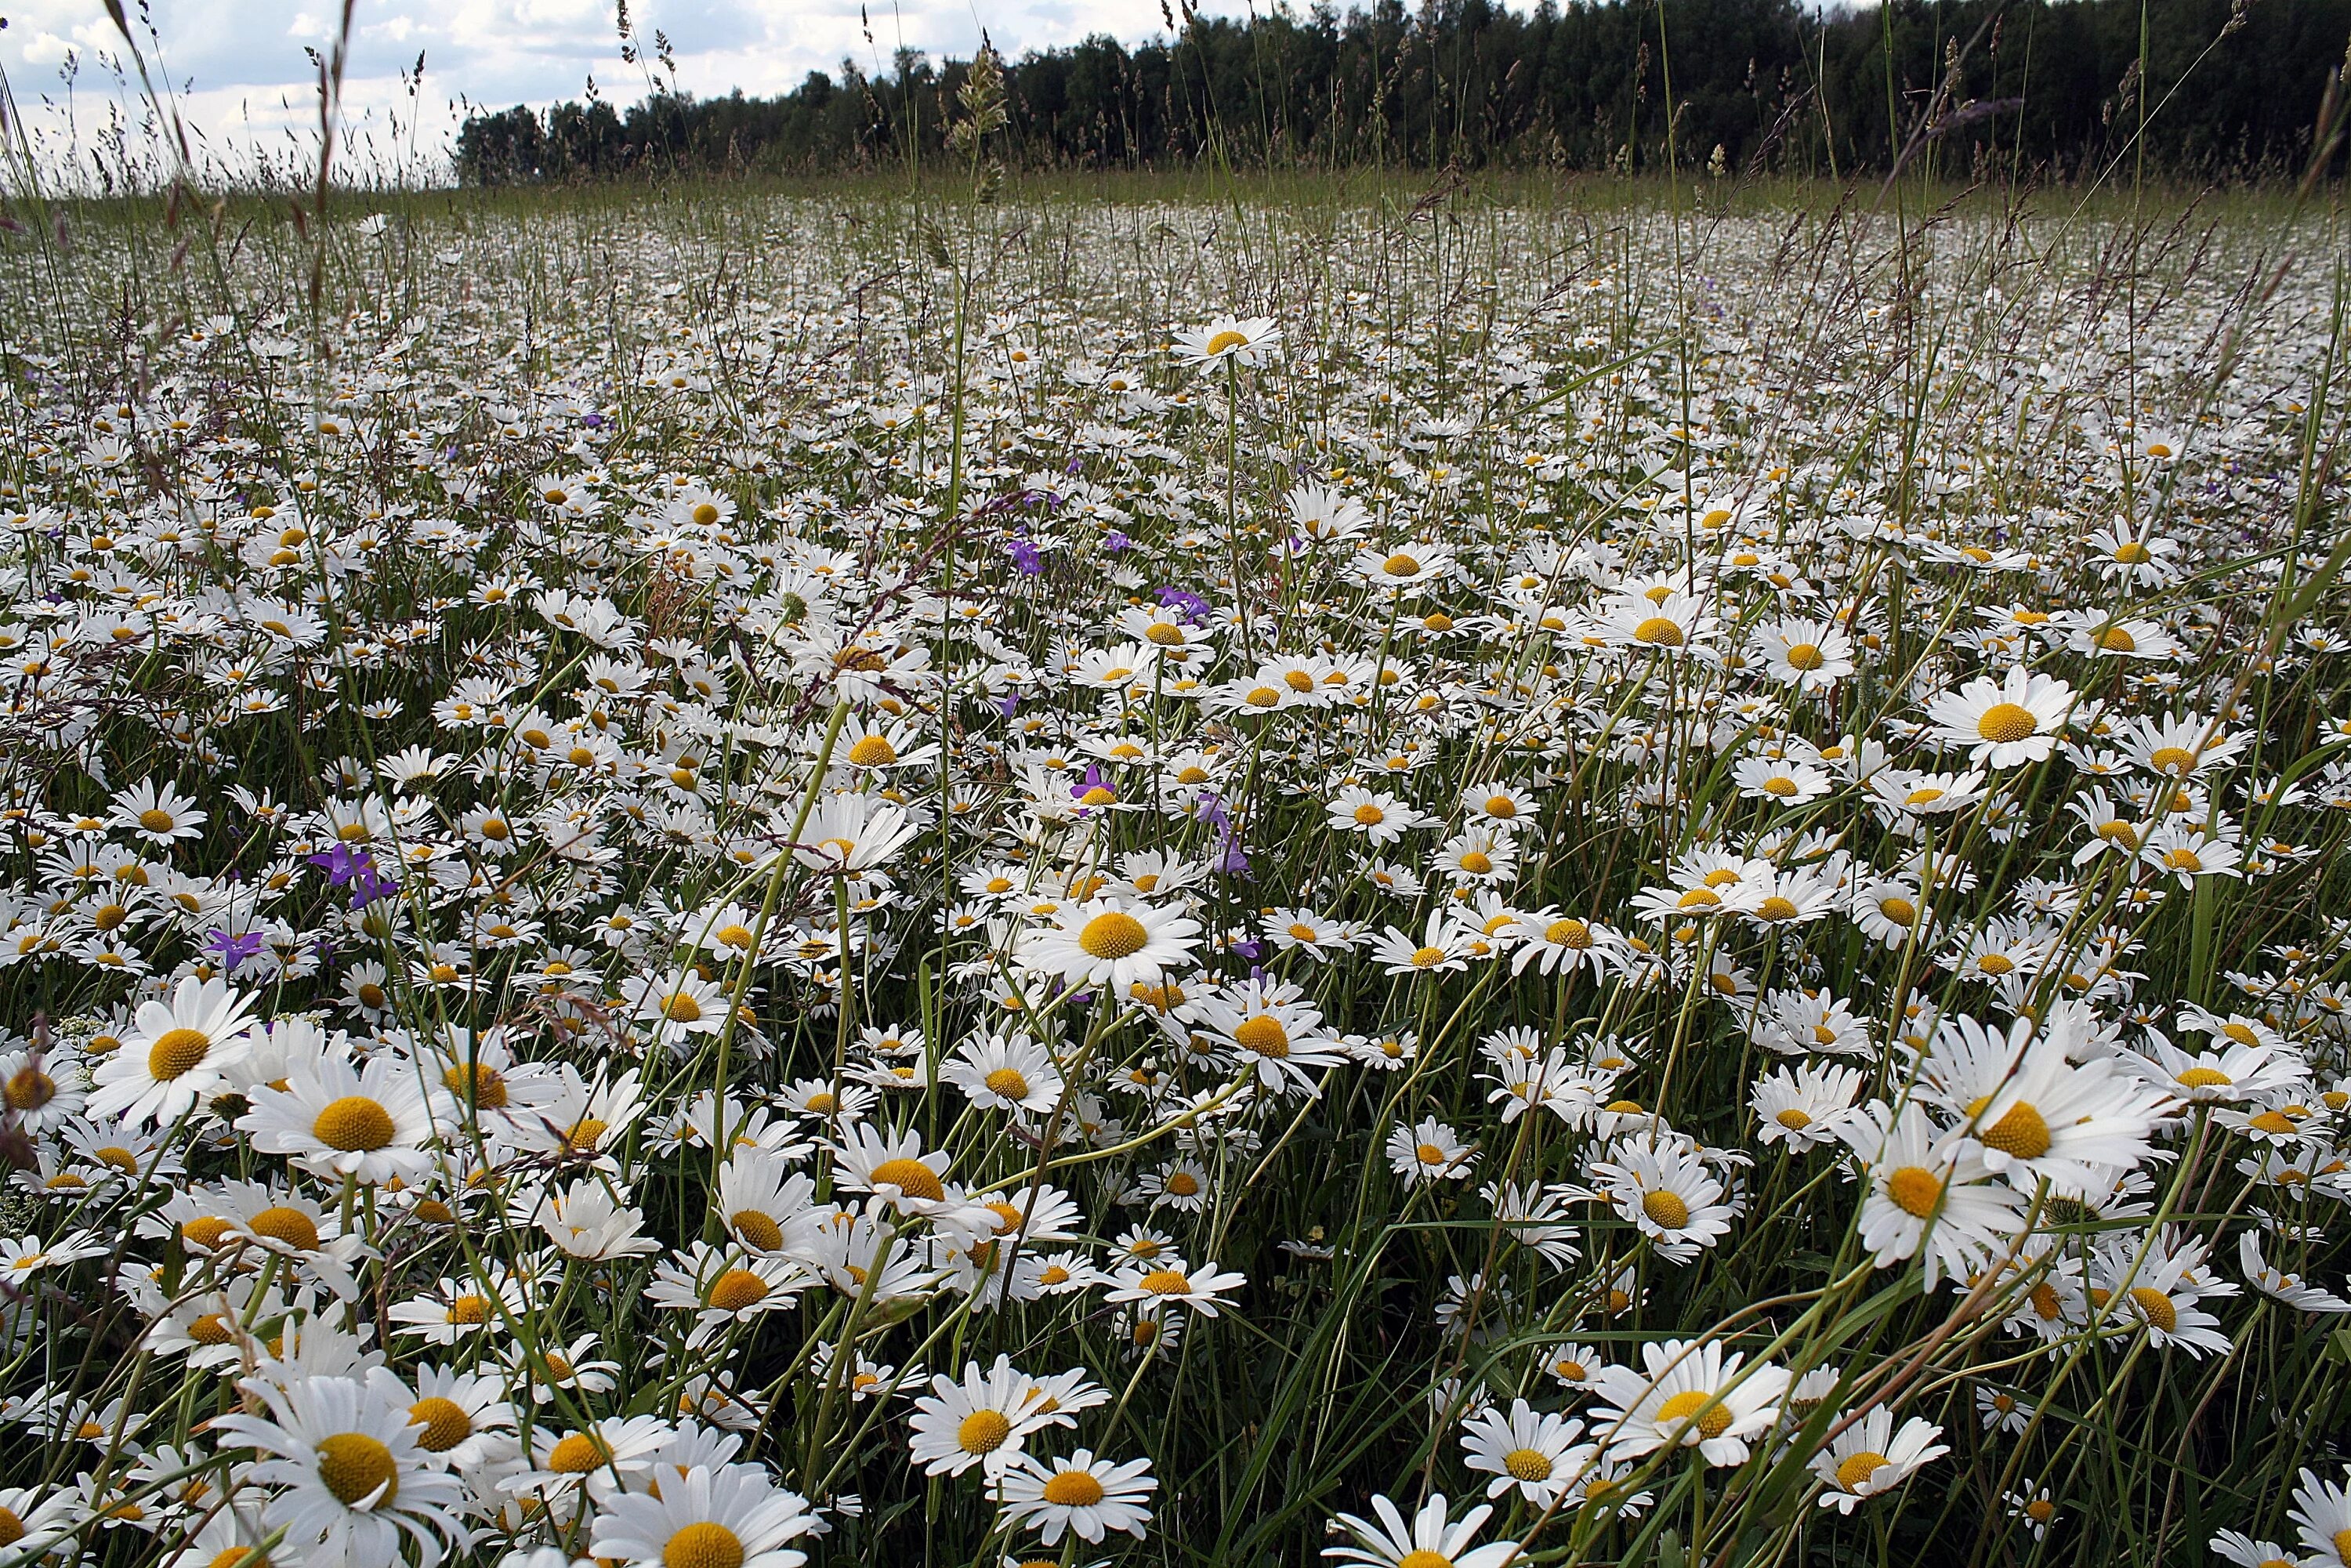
(1234, 871)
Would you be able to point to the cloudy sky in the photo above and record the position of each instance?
(245, 82)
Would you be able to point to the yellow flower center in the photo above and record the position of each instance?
(177, 1052)
(872, 751)
(28, 1089)
(1805, 656)
(1427, 957)
(2003, 723)
(1780, 785)
(482, 1086)
(1853, 1473)
(912, 1177)
(353, 1465)
(1666, 1209)
(157, 821)
(1226, 341)
(2156, 1308)
(702, 1544)
(1165, 1283)
(1073, 1488)
(289, 1227)
(445, 1421)
(1713, 1423)
(2203, 1078)
(2130, 553)
(1701, 898)
(1995, 963)
(1527, 1465)
(757, 1230)
(2020, 1130)
(1006, 1083)
(1476, 862)
(1658, 631)
(983, 1432)
(1776, 908)
(1915, 1190)
(1423, 1558)
(469, 1309)
(1114, 933)
(1400, 565)
(679, 1006)
(2115, 640)
(1795, 1121)
(203, 1233)
(576, 1454)
(736, 1290)
(353, 1124)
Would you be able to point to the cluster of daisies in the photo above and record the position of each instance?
(688, 927)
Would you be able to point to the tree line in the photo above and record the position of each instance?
(2199, 89)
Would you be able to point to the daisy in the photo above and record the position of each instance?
(999, 1073)
(1479, 855)
(40, 1521)
(678, 1004)
(2031, 1113)
(1804, 1107)
(175, 1055)
(1249, 340)
(1537, 1454)
(466, 1419)
(353, 1470)
(1668, 622)
(1271, 1033)
(2234, 1546)
(1811, 655)
(2281, 1285)
(1870, 1457)
(2188, 851)
(370, 1123)
(1380, 817)
(2160, 1287)
(157, 816)
(1926, 1192)
(1429, 1152)
(1166, 1281)
(1079, 1494)
(1691, 1395)
(2321, 1513)
(2033, 1503)
(981, 1419)
(1668, 1194)
(1438, 951)
(726, 1516)
(893, 1167)
(1788, 783)
(1432, 1539)
(2005, 722)
(725, 1289)
(1108, 942)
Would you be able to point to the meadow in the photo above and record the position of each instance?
(1200, 870)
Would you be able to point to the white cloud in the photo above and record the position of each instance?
(247, 81)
